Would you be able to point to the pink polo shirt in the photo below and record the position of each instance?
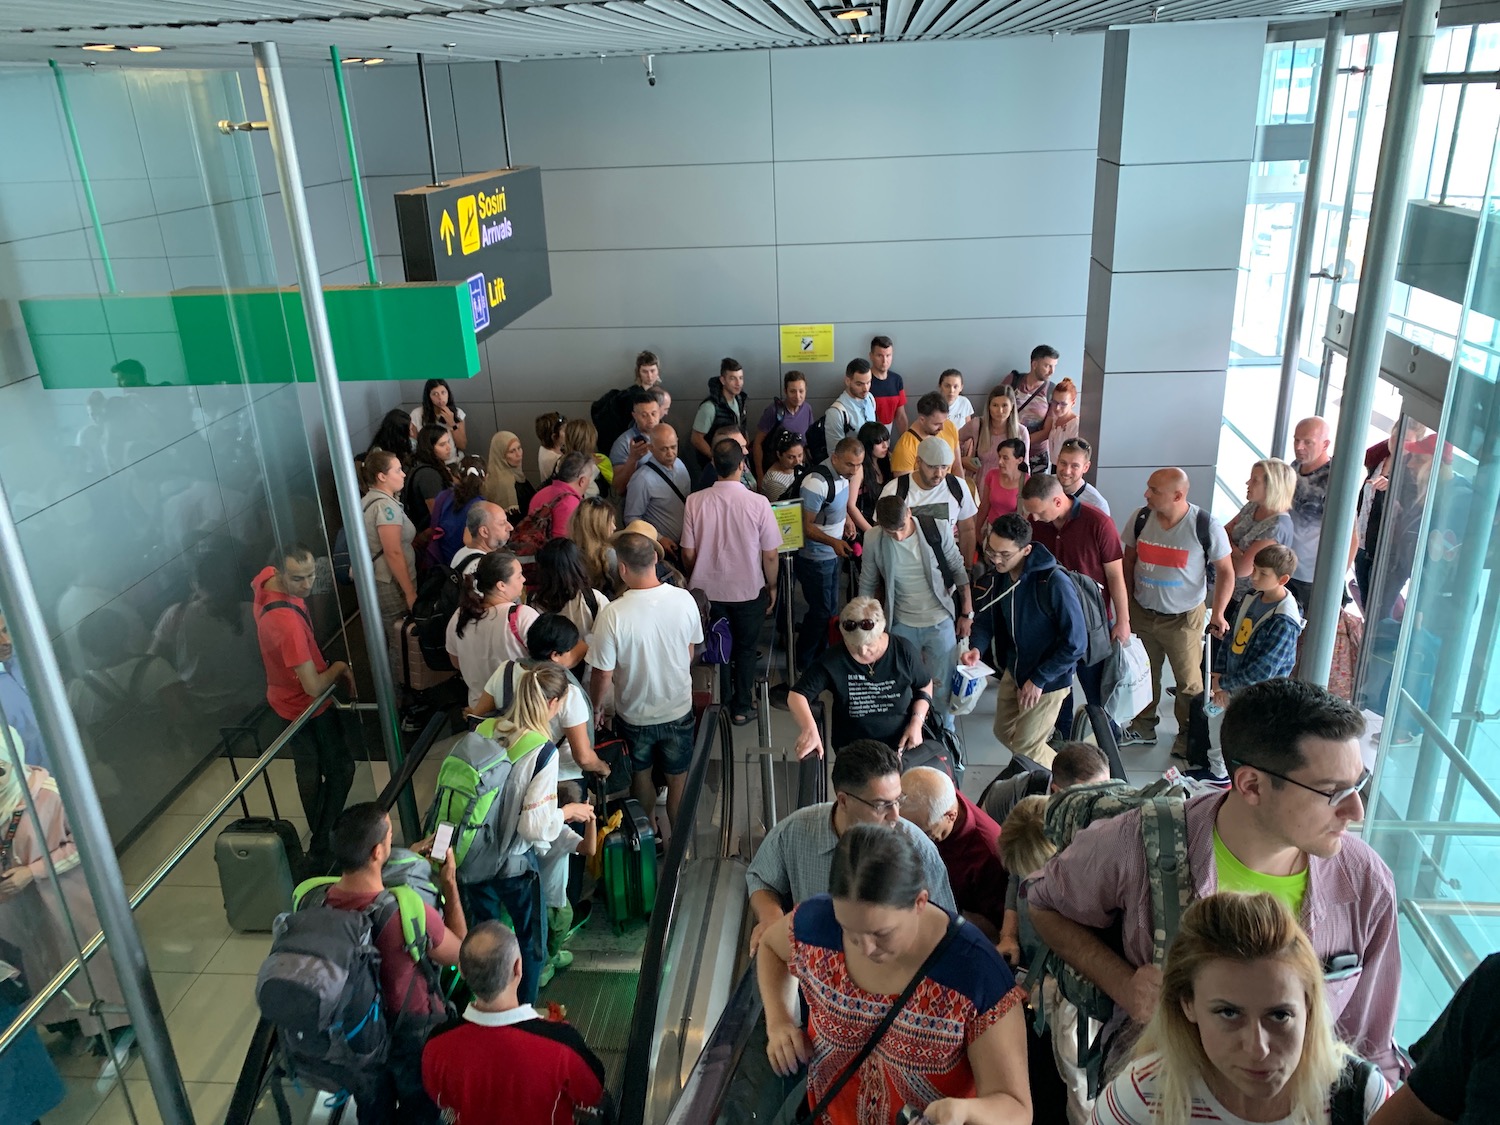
(729, 526)
(1100, 879)
(568, 499)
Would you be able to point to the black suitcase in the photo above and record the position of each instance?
(259, 858)
(1093, 720)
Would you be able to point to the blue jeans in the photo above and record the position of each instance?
(820, 586)
(669, 743)
(521, 896)
(938, 645)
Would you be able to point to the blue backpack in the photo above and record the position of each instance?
(717, 642)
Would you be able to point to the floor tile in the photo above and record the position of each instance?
(183, 927)
(241, 954)
(211, 1027)
(80, 1103)
(161, 837)
(210, 1102)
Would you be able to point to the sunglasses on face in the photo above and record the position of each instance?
(863, 626)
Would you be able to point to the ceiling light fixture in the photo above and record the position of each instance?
(372, 62)
(849, 12)
(352, 61)
(852, 14)
(145, 49)
(857, 37)
(99, 47)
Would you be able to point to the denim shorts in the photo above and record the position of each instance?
(669, 743)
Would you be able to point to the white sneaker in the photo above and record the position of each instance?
(119, 1056)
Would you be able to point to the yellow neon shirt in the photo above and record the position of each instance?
(1235, 876)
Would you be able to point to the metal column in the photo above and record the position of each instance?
(1307, 231)
(346, 484)
(1387, 214)
(96, 850)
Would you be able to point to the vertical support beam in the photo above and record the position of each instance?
(346, 484)
(1307, 230)
(427, 115)
(83, 175)
(96, 850)
(1387, 214)
(359, 184)
(504, 121)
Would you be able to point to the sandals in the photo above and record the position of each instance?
(742, 719)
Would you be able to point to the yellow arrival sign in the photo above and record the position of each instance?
(807, 343)
(468, 223)
(788, 515)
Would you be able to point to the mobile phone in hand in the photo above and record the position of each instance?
(441, 841)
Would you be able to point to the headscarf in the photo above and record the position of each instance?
(11, 786)
(500, 479)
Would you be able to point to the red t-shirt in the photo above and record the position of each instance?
(514, 1067)
(396, 966)
(286, 640)
(1085, 543)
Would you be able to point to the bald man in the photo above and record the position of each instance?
(967, 839)
(1312, 445)
(659, 489)
(1171, 546)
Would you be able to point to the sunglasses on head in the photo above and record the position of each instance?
(863, 626)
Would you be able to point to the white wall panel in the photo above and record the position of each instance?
(1152, 415)
(660, 207)
(1179, 216)
(901, 199)
(1024, 94)
(1157, 321)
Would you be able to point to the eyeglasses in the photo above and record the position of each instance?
(1333, 797)
(884, 808)
(864, 626)
(1002, 557)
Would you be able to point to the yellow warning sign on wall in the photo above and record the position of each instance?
(807, 343)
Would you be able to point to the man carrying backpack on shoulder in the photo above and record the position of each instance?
(1029, 620)
(1294, 757)
(410, 943)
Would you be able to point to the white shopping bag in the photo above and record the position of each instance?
(967, 685)
(1132, 681)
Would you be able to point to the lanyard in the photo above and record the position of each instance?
(7, 845)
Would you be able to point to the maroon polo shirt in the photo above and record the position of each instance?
(971, 853)
(1084, 543)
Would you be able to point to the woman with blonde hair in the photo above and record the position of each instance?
(530, 794)
(593, 526)
(1242, 1031)
(505, 482)
(987, 429)
(580, 434)
(1264, 520)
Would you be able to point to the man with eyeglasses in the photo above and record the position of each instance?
(1029, 621)
(792, 863)
(1296, 773)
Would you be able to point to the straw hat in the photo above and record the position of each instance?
(641, 527)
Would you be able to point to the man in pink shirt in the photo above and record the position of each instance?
(1293, 752)
(565, 492)
(729, 544)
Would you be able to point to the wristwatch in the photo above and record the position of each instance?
(966, 616)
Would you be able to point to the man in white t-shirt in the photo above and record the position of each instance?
(929, 490)
(486, 529)
(1170, 546)
(643, 653)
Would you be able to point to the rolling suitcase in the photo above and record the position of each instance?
(1091, 724)
(259, 858)
(630, 865)
(407, 662)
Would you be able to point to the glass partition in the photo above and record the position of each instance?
(154, 448)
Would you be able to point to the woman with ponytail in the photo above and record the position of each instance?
(531, 795)
(489, 626)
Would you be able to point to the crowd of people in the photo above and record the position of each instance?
(1226, 954)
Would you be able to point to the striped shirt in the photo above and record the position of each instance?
(1134, 1098)
(1100, 879)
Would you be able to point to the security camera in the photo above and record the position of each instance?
(650, 72)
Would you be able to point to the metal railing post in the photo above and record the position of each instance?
(1307, 229)
(96, 849)
(346, 483)
(1377, 278)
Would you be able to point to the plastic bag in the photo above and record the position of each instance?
(1127, 681)
(967, 685)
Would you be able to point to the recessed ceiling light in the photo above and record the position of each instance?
(348, 62)
(145, 50)
(373, 62)
(852, 14)
(857, 37)
(99, 47)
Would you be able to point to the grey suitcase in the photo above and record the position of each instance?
(259, 858)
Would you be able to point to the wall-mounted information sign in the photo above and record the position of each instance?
(487, 231)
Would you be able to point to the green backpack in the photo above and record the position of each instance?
(1162, 806)
(474, 795)
(397, 899)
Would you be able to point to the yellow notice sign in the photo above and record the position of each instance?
(807, 343)
(788, 515)
(468, 223)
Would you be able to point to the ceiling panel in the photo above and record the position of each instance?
(521, 29)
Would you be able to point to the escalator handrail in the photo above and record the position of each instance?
(707, 1085)
(257, 1064)
(636, 1086)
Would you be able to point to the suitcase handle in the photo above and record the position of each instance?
(228, 736)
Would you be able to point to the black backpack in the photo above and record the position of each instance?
(955, 487)
(411, 498)
(1095, 617)
(610, 413)
(817, 435)
(1203, 525)
(437, 598)
(794, 490)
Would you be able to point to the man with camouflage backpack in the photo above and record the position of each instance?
(1293, 752)
(363, 959)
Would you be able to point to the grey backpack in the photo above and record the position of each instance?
(1162, 806)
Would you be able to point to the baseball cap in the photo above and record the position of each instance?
(935, 451)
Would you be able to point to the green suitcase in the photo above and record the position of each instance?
(629, 864)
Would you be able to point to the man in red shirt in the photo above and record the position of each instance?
(502, 1060)
(968, 841)
(1083, 539)
(296, 674)
(362, 844)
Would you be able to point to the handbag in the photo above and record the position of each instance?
(814, 1114)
